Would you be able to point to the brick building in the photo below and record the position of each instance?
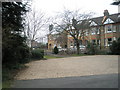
(59, 40)
(102, 31)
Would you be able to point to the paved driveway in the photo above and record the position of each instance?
(70, 67)
(93, 81)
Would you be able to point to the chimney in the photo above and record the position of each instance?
(106, 13)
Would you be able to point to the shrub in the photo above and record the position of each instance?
(37, 54)
(55, 50)
(92, 49)
(103, 52)
(15, 55)
(24, 54)
(115, 47)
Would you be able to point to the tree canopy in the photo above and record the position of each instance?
(14, 48)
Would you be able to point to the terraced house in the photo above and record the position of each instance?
(102, 31)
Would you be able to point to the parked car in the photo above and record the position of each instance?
(82, 47)
(62, 49)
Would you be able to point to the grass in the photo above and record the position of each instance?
(79, 55)
(50, 57)
(7, 84)
(54, 57)
(8, 75)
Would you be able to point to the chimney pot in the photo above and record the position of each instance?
(106, 13)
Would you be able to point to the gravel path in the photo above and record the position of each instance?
(72, 66)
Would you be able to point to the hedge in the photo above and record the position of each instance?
(37, 54)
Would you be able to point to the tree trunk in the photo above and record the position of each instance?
(31, 44)
(78, 48)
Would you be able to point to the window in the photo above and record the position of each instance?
(94, 42)
(114, 28)
(86, 33)
(71, 43)
(114, 38)
(98, 31)
(93, 31)
(50, 45)
(98, 42)
(109, 41)
(108, 29)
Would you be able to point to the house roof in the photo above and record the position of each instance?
(114, 17)
(98, 20)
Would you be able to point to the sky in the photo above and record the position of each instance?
(52, 7)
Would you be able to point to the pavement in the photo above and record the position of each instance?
(84, 71)
(95, 81)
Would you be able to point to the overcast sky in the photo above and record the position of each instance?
(51, 7)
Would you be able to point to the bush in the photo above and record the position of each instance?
(37, 54)
(15, 55)
(55, 50)
(103, 52)
(115, 47)
(92, 49)
(24, 54)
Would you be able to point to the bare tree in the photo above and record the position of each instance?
(62, 39)
(74, 24)
(35, 21)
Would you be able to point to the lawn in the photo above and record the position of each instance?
(72, 55)
(51, 57)
(8, 75)
(79, 55)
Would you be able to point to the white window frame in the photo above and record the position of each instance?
(86, 33)
(109, 41)
(93, 31)
(109, 28)
(114, 39)
(114, 28)
(98, 31)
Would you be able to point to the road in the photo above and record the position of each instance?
(99, 71)
(95, 81)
